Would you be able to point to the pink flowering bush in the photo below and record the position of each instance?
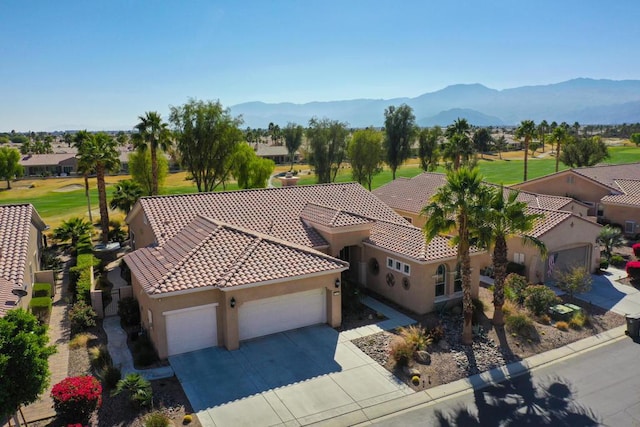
(75, 398)
(636, 249)
(633, 269)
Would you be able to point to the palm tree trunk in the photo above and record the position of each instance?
(86, 193)
(526, 156)
(102, 198)
(467, 303)
(499, 270)
(154, 171)
(557, 156)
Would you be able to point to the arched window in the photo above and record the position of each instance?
(441, 280)
(457, 279)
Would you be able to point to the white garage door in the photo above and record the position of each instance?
(191, 329)
(270, 315)
(565, 260)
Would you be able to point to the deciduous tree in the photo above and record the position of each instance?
(584, 151)
(365, 153)
(141, 170)
(428, 149)
(328, 146)
(293, 134)
(400, 129)
(10, 166)
(250, 170)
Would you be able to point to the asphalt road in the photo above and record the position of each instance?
(599, 387)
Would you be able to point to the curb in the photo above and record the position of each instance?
(368, 415)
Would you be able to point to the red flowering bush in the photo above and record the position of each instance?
(636, 249)
(75, 398)
(633, 269)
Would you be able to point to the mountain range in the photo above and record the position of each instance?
(587, 101)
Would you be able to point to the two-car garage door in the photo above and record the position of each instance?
(270, 315)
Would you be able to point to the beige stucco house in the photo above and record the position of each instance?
(21, 243)
(564, 227)
(612, 192)
(243, 264)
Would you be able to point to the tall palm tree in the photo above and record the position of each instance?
(526, 131)
(85, 169)
(152, 133)
(543, 128)
(559, 136)
(459, 146)
(100, 153)
(126, 194)
(506, 217)
(460, 206)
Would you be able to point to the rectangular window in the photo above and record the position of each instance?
(518, 257)
(406, 269)
(390, 262)
(629, 227)
(398, 265)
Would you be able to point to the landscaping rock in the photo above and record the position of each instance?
(444, 345)
(423, 357)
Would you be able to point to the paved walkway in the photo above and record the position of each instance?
(608, 293)
(59, 332)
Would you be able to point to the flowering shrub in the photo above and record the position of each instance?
(75, 398)
(636, 249)
(633, 269)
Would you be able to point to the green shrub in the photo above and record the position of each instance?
(402, 352)
(515, 285)
(578, 321)
(538, 298)
(110, 375)
(563, 326)
(129, 311)
(144, 354)
(81, 317)
(520, 324)
(416, 336)
(99, 357)
(509, 307)
(138, 389)
(83, 288)
(604, 264)
(40, 307)
(157, 419)
(514, 267)
(617, 260)
(41, 290)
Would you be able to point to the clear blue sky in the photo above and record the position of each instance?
(98, 65)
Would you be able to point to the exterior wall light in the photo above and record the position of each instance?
(232, 303)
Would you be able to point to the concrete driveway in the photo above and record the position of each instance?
(608, 293)
(296, 377)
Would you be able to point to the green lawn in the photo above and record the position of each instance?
(54, 205)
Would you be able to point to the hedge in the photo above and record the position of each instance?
(40, 307)
(80, 276)
(41, 290)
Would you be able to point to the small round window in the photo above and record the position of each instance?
(374, 266)
(406, 284)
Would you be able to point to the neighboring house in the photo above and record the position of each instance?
(612, 192)
(218, 268)
(278, 153)
(59, 164)
(568, 236)
(21, 243)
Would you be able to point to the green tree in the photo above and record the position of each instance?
(126, 194)
(575, 280)
(459, 146)
(250, 170)
(19, 139)
(100, 153)
(24, 360)
(153, 134)
(506, 217)
(482, 140)
(610, 238)
(584, 151)
(543, 128)
(559, 136)
(365, 153)
(400, 130)
(84, 166)
(75, 229)
(207, 138)
(328, 146)
(428, 151)
(460, 206)
(141, 170)
(635, 138)
(500, 145)
(293, 134)
(526, 131)
(10, 166)
(122, 138)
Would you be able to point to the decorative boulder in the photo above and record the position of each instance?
(423, 357)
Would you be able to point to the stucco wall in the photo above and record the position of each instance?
(142, 233)
(619, 214)
(32, 264)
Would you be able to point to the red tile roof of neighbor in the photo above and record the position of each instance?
(15, 228)
(210, 253)
(283, 218)
(412, 194)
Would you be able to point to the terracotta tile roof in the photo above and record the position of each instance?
(409, 240)
(266, 150)
(608, 174)
(15, 228)
(331, 217)
(272, 211)
(210, 253)
(7, 299)
(412, 194)
(629, 186)
(46, 159)
(622, 199)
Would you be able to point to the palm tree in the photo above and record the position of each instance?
(126, 195)
(99, 152)
(85, 169)
(542, 132)
(526, 131)
(459, 206)
(507, 217)
(610, 238)
(152, 133)
(459, 146)
(559, 136)
(73, 229)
